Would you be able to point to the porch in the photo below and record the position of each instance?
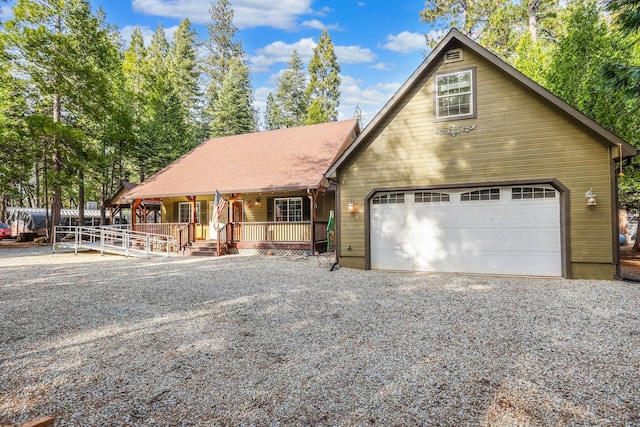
(266, 237)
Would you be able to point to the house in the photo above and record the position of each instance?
(472, 167)
(275, 195)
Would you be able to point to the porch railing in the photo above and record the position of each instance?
(280, 231)
(182, 232)
(293, 232)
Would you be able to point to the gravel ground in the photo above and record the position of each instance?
(109, 341)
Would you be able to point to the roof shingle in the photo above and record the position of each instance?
(284, 159)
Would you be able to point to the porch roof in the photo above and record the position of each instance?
(283, 159)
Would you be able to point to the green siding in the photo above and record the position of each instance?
(518, 137)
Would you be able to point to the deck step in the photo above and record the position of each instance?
(202, 248)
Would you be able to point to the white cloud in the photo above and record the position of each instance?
(405, 42)
(382, 66)
(6, 13)
(147, 34)
(369, 99)
(281, 52)
(354, 54)
(281, 14)
(317, 25)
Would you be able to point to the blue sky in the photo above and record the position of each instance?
(378, 43)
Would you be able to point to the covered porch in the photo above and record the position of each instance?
(280, 223)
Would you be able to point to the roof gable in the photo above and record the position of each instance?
(455, 39)
(283, 159)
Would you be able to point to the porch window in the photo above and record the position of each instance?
(288, 209)
(185, 212)
(454, 95)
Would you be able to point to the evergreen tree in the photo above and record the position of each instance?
(228, 75)
(164, 131)
(222, 46)
(323, 90)
(272, 115)
(290, 96)
(16, 162)
(359, 116)
(63, 52)
(184, 72)
(234, 113)
(135, 77)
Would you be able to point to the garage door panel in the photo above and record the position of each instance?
(493, 236)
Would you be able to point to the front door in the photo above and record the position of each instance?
(237, 220)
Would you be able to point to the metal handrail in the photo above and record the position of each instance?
(115, 240)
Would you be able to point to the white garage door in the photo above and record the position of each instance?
(505, 230)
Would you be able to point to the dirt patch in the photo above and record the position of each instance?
(629, 263)
(13, 244)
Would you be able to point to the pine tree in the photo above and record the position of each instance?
(323, 90)
(291, 96)
(234, 113)
(229, 94)
(272, 115)
(222, 46)
(134, 69)
(64, 53)
(184, 72)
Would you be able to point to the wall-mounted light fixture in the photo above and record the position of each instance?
(257, 202)
(591, 198)
(248, 203)
(352, 206)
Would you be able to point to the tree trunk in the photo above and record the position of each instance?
(56, 200)
(533, 19)
(81, 200)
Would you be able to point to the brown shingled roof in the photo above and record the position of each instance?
(284, 159)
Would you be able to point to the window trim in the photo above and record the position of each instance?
(288, 199)
(198, 212)
(474, 96)
(482, 194)
(532, 193)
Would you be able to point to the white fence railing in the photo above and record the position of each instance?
(120, 240)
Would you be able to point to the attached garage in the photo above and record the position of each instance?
(472, 167)
(495, 230)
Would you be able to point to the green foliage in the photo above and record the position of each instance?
(222, 46)
(233, 109)
(323, 90)
(289, 106)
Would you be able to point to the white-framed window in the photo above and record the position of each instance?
(185, 213)
(288, 209)
(390, 198)
(524, 193)
(478, 195)
(431, 197)
(455, 95)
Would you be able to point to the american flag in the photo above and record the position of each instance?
(219, 204)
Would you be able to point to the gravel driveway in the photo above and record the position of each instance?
(109, 341)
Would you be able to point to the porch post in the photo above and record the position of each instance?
(192, 220)
(134, 212)
(312, 197)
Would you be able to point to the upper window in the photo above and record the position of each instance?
(288, 209)
(184, 212)
(454, 95)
